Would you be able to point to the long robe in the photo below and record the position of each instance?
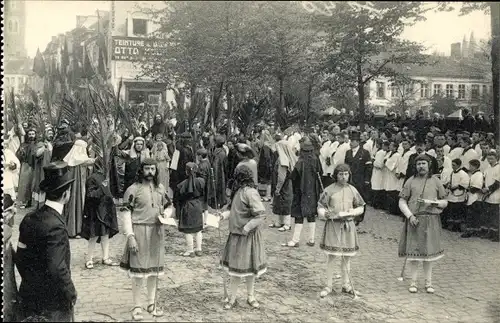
(99, 211)
(219, 164)
(163, 163)
(186, 155)
(189, 205)
(26, 156)
(306, 186)
(38, 173)
(265, 167)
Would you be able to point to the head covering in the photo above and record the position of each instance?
(266, 138)
(202, 151)
(220, 139)
(420, 139)
(78, 154)
(57, 177)
(286, 155)
(144, 153)
(306, 145)
(190, 187)
(355, 135)
(423, 157)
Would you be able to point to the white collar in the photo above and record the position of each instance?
(58, 207)
(355, 150)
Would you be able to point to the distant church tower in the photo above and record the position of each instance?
(472, 45)
(15, 29)
(465, 48)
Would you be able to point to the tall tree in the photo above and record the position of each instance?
(365, 45)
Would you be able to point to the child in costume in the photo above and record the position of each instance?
(244, 254)
(340, 204)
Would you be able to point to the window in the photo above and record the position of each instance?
(437, 89)
(449, 90)
(424, 90)
(409, 90)
(394, 90)
(139, 26)
(485, 90)
(380, 90)
(461, 91)
(474, 93)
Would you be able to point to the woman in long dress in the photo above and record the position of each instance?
(244, 254)
(159, 152)
(282, 185)
(339, 204)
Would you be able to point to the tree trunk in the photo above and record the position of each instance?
(361, 98)
(281, 107)
(495, 62)
(309, 99)
(229, 98)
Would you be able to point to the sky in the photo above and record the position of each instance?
(49, 18)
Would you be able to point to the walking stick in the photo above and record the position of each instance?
(355, 295)
(226, 296)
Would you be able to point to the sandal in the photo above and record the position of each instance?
(413, 288)
(230, 305)
(429, 289)
(349, 290)
(198, 253)
(274, 225)
(89, 264)
(311, 243)
(137, 314)
(188, 254)
(253, 303)
(109, 262)
(290, 244)
(153, 310)
(284, 228)
(325, 292)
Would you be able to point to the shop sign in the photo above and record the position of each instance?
(138, 49)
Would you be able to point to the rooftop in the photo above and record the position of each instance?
(449, 67)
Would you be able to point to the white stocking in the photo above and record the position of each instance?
(413, 270)
(312, 231)
(91, 247)
(346, 268)
(233, 287)
(136, 291)
(297, 230)
(199, 239)
(330, 269)
(250, 282)
(105, 247)
(151, 289)
(189, 242)
(428, 273)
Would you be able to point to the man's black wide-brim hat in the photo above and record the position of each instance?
(57, 176)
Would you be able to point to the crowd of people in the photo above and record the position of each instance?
(432, 177)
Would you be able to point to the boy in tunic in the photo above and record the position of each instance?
(339, 204)
(457, 193)
(422, 199)
(491, 192)
(144, 256)
(474, 200)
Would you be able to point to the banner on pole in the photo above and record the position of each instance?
(137, 49)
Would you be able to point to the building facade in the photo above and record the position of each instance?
(18, 74)
(467, 82)
(131, 42)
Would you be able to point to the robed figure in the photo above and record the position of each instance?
(43, 155)
(26, 156)
(219, 165)
(186, 155)
(77, 160)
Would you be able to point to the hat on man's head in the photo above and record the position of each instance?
(420, 138)
(57, 176)
(355, 135)
(185, 135)
(202, 151)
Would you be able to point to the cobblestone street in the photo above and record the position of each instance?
(467, 281)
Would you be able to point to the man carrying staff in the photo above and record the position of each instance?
(422, 200)
(144, 257)
(43, 252)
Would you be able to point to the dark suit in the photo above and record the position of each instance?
(361, 169)
(361, 172)
(43, 261)
(412, 168)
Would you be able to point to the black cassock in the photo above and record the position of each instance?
(43, 260)
(361, 169)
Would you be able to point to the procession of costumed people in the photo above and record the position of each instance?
(432, 178)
